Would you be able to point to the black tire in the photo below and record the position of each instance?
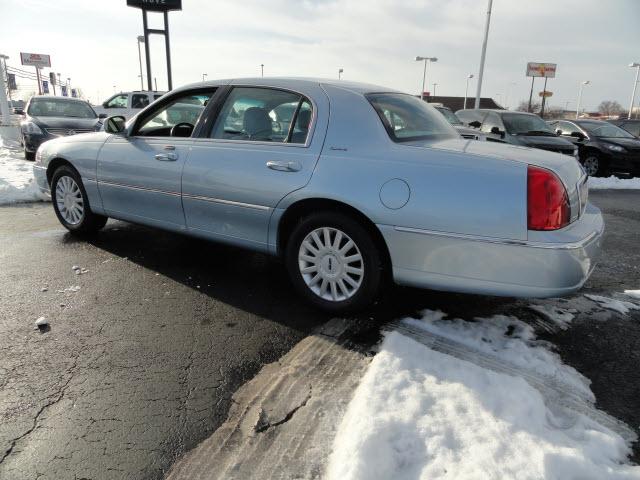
(591, 159)
(371, 262)
(29, 155)
(89, 222)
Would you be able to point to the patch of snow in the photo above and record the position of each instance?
(422, 414)
(633, 293)
(72, 289)
(619, 306)
(17, 183)
(559, 316)
(612, 182)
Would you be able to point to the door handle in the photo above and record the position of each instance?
(284, 166)
(167, 157)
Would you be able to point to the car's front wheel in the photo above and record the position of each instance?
(333, 262)
(71, 204)
(594, 165)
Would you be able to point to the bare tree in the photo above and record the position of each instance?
(523, 106)
(610, 108)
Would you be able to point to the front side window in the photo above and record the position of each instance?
(491, 121)
(139, 100)
(183, 111)
(53, 107)
(407, 118)
(119, 101)
(264, 115)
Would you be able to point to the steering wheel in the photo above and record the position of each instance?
(180, 129)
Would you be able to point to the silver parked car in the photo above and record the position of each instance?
(350, 183)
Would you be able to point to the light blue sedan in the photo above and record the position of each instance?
(351, 184)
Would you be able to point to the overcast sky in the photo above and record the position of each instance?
(94, 43)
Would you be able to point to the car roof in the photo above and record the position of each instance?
(595, 122)
(292, 83)
(501, 111)
(54, 97)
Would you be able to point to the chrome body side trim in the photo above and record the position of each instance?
(194, 197)
(501, 241)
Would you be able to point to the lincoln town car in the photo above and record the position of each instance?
(352, 185)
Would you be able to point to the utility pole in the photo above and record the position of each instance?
(140, 40)
(544, 98)
(5, 114)
(483, 55)
(434, 89)
(262, 69)
(635, 85)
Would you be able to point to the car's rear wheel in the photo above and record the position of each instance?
(333, 262)
(71, 203)
(594, 165)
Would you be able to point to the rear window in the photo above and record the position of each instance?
(408, 118)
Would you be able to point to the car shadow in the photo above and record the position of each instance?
(258, 283)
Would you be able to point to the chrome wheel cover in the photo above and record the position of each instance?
(591, 165)
(331, 264)
(69, 200)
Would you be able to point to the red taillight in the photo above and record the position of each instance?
(547, 200)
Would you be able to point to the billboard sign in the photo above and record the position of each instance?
(546, 94)
(35, 59)
(547, 70)
(64, 90)
(156, 5)
(45, 86)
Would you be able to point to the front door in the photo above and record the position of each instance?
(263, 145)
(139, 175)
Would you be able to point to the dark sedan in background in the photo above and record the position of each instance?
(51, 117)
(516, 128)
(604, 148)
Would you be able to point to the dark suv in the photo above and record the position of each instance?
(516, 128)
(604, 148)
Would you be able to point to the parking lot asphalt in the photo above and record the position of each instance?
(140, 362)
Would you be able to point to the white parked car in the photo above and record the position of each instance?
(127, 104)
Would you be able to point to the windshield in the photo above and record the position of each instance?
(526, 124)
(52, 107)
(408, 118)
(450, 116)
(605, 130)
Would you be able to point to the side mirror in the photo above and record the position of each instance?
(558, 132)
(114, 124)
(577, 135)
(497, 131)
(105, 104)
(474, 124)
(102, 115)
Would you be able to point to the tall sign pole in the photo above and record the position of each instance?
(483, 55)
(164, 6)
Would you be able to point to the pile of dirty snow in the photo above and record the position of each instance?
(16, 175)
(422, 413)
(601, 183)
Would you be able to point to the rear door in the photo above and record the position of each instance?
(263, 144)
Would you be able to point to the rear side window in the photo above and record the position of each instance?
(408, 118)
(139, 100)
(471, 116)
(632, 127)
(264, 115)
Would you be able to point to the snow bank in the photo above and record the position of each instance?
(619, 306)
(422, 414)
(16, 176)
(599, 183)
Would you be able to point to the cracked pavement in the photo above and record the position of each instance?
(158, 350)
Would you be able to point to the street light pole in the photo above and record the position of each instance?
(466, 91)
(140, 40)
(635, 65)
(204, 75)
(582, 84)
(424, 72)
(340, 73)
(262, 69)
(434, 89)
(483, 55)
